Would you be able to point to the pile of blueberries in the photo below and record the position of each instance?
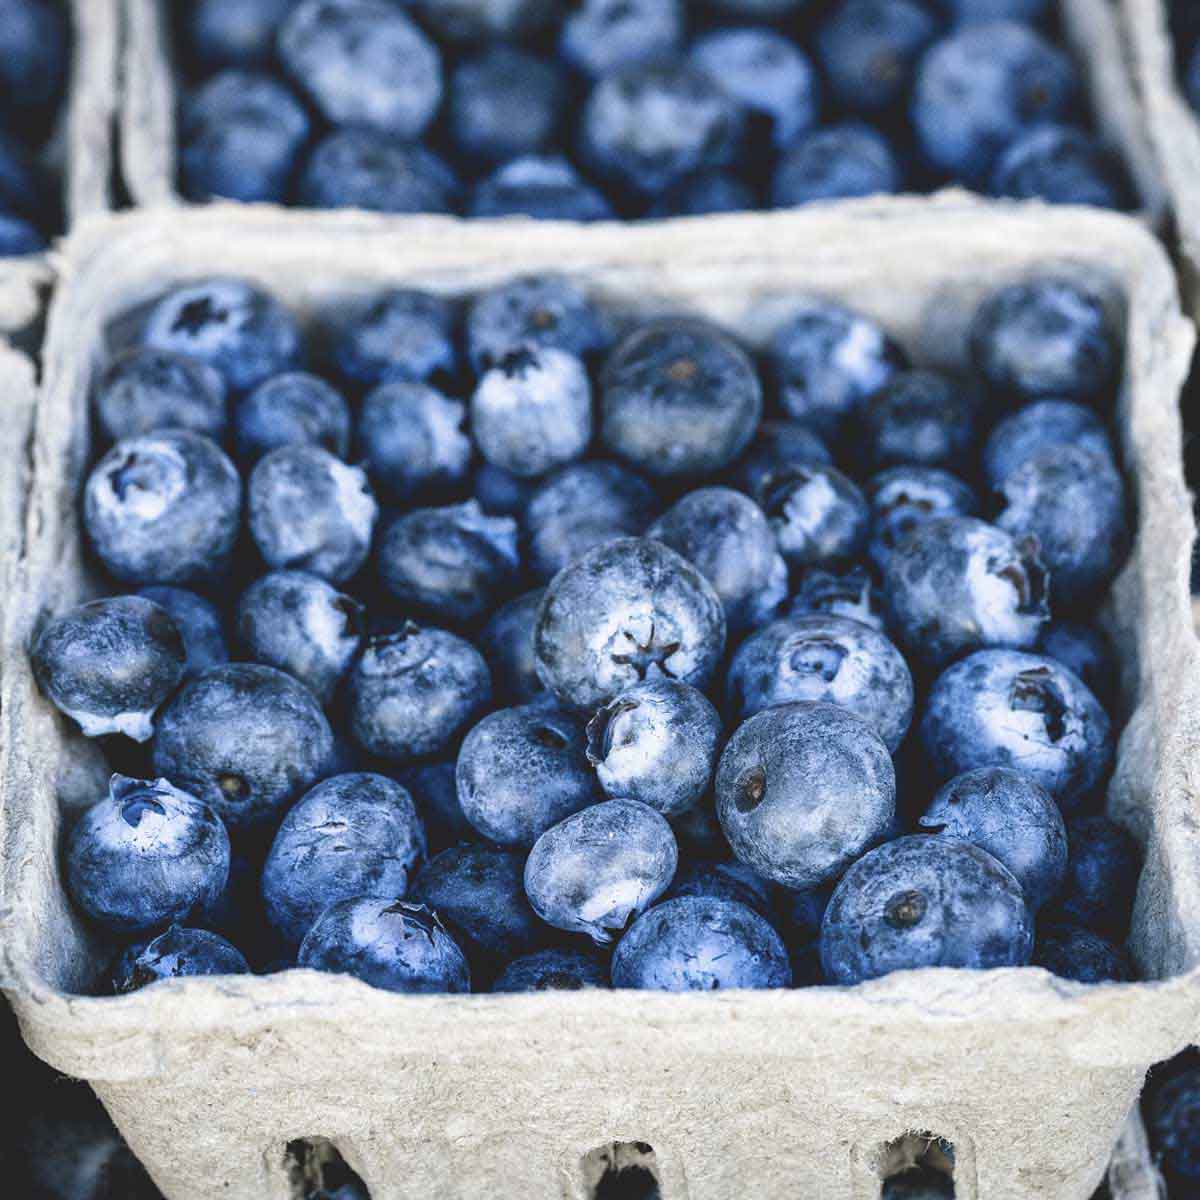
(556, 665)
(630, 108)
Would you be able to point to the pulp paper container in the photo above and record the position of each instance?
(773, 1094)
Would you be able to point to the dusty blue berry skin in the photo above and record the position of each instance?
(397, 334)
(957, 584)
(200, 624)
(726, 535)
(507, 644)
(704, 192)
(109, 664)
(351, 835)
(628, 610)
(850, 593)
(145, 390)
(601, 868)
(980, 88)
(521, 770)
(163, 508)
(1045, 338)
(241, 137)
(504, 103)
(921, 418)
(1002, 708)
(454, 563)
(34, 46)
(1086, 651)
(902, 497)
(234, 32)
(836, 162)
(1062, 165)
(723, 881)
(145, 856)
(246, 739)
(241, 330)
(679, 397)
(1172, 1113)
(545, 187)
(924, 902)
(828, 658)
(1011, 817)
(820, 516)
(802, 790)
(432, 786)
(581, 507)
(363, 63)
(1103, 866)
(390, 944)
(1073, 502)
(309, 511)
(777, 446)
(293, 409)
(1043, 425)
(302, 625)
(657, 743)
(474, 21)
(700, 944)
(412, 692)
(1072, 952)
(599, 36)
(177, 953)
(552, 970)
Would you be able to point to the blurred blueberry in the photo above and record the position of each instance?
(1043, 425)
(1030, 11)
(921, 418)
(850, 593)
(820, 517)
(599, 36)
(918, 1183)
(293, 409)
(1072, 952)
(433, 788)
(507, 644)
(504, 104)
(1172, 1116)
(546, 188)
(723, 881)
(552, 970)
(902, 497)
(18, 237)
(237, 33)
(1061, 165)
(835, 162)
(144, 390)
(486, 20)
(763, 10)
(704, 192)
(397, 334)
(777, 446)
(34, 53)
(176, 954)
(1103, 868)
(200, 624)
(1084, 650)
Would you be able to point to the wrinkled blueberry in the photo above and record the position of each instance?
(552, 970)
(820, 517)
(835, 162)
(504, 104)
(293, 409)
(546, 188)
(1103, 866)
(1073, 952)
(176, 954)
(397, 334)
(1043, 425)
(851, 593)
(599, 36)
(1061, 165)
(902, 497)
(777, 446)
(200, 624)
(145, 390)
(920, 418)
(507, 644)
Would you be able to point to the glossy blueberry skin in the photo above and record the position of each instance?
(109, 664)
(397, 334)
(921, 418)
(412, 692)
(145, 390)
(1086, 651)
(145, 856)
(1072, 952)
(239, 329)
(700, 944)
(704, 192)
(1103, 867)
(827, 361)
(1002, 708)
(507, 644)
(389, 944)
(504, 104)
(454, 563)
(657, 743)
(309, 511)
(351, 835)
(363, 63)
(246, 739)
(836, 162)
(832, 659)
(1062, 165)
(581, 507)
(627, 610)
(1011, 817)
(34, 49)
(1172, 1114)
(241, 136)
(521, 770)
(777, 446)
(1043, 425)
(924, 902)
(163, 508)
(850, 593)
(552, 970)
(956, 584)
(177, 953)
(601, 868)
(902, 497)
(293, 409)
(1045, 338)
(474, 21)
(234, 32)
(200, 624)
(599, 36)
(544, 187)
(724, 881)
(679, 397)
(820, 516)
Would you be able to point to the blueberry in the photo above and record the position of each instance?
(412, 692)
(387, 943)
(628, 610)
(1046, 338)
(1043, 425)
(820, 517)
(521, 770)
(552, 970)
(777, 446)
(827, 361)
(581, 507)
(176, 954)
(143, 390)
(700, 944)
(918, 1183)
(724, 881)
(1073, 952)
(19, 237)
(200, 624)
(363, 63)
(455, 563)
(486, 20)
(146, 855)
(309, 511)
(163, 508)
(924, 902)
(433, 788)
(828, 658)
(1103, 866)
(352, 835)
(1001, 708)
(762, 10)
(1061, 165)
(1172, 1115)
(802, 790)
(507, 644)
(698, 832)
(657, 743)
(1013, 818)
(601, 868)
(504, 104)
(546, 188)
(679, 397)
(1084, 650)
(921, 418)
(397, 334)
(600, 36)
(835, 162)
(704, 192)
(902, 497)
(241, 135)
(235, 32)
(228, 323)
(245, 739)
(850, 593)
(34, 41)
(293, 409)
(957, 584)
(1030, 11)
(978, 89)
(109, 664)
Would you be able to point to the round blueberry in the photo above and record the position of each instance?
(34, 56)
(1103, 867)
(552, 970)
(487, 20)
(1043, 425)
(850, 593)
(820, 517)
(504, 104)
(177, 953)
(1084, 650)
(293, 409)
(1072, 952)
(724, 881)
(1062, 165)
(599, 36)
(546, 188)
(777, 446)
(234, 32)
(507, 644)
(703, 192)
(902, 497)
(19, 237)
(200, 624)
(835, 162)
(920, 418)
(397, 334)
(145, 390)
(1172, 1115)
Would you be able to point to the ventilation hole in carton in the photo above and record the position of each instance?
(621, 1171)
(316, 1171)
(917, 1166)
